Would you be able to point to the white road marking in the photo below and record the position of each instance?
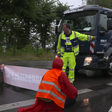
(110, 110)
(81, 91)
(30, 102)
(110, 84)
(17, 104)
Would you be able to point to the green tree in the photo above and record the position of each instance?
(20, 18)
(5, 16)
(46, 17)
(48, 13)
(16, 20)
(25, 11)
(60, 8)
(103, 3)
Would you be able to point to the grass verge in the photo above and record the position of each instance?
(28, 57)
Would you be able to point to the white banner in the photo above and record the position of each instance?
(24, 77)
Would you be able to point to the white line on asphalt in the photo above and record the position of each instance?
(81, 91)
(17, 104)
(110, 84)
(30, 102)
(110, 110)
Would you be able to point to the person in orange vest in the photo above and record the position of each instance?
(55, 91)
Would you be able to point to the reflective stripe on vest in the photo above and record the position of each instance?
(58, 50)
(51, 93)
(71, 80)
(51, 89)
(89, 37)
(51, 83)
(76, 53)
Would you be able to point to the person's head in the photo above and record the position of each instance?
(2, 67)
(66, 28)
(57, 63)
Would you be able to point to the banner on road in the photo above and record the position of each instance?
(24, 77)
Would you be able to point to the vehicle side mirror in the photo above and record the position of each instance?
(109, 21)
(57, 21)
(109, 14)
(109, 24)
(56, 29)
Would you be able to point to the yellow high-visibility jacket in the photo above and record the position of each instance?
(72, 45)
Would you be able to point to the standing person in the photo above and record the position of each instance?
(68, 48)
(55, 91)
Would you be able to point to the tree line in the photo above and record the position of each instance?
(19, 19)
(103, 3)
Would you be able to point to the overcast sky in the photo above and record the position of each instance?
(76, 3)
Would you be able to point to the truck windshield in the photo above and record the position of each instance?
(80, 21)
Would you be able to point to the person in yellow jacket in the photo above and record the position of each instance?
(68, 48)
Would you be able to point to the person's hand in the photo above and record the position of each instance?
(94, 37)
(56, 56)
(2, 67)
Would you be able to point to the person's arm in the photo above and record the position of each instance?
(84, 37)
(66, 87)
(58, 46)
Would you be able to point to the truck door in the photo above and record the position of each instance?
(103, 34)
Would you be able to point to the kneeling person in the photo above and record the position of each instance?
(53, 90)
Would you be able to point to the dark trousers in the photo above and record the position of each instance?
(69, 101)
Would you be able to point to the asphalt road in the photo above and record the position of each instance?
(95, 91)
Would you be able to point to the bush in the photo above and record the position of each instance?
(27, 53)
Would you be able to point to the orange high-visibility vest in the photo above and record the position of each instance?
(50, 88)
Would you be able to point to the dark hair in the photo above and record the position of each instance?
(67, 25)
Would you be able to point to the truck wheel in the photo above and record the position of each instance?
(108, 72)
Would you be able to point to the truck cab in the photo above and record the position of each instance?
(95, 21)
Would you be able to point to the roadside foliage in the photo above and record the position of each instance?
(25, 22)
